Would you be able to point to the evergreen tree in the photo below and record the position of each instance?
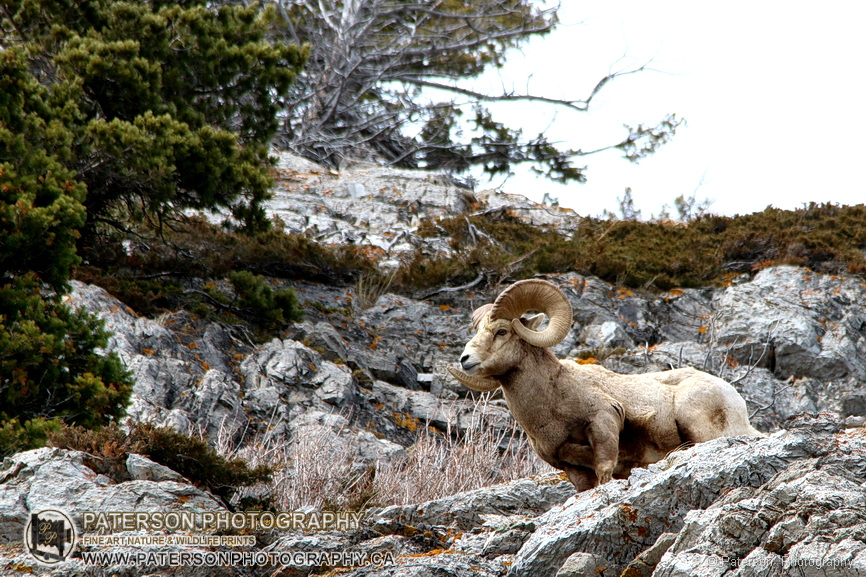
(50, 370)
(171, 104)
(114, 112)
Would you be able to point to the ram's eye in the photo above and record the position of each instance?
(501, 332)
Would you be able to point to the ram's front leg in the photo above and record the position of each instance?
(603, 433)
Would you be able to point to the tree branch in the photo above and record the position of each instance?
(579, 105)
(468, 285)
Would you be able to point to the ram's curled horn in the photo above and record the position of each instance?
(539, 295)
(481, 384)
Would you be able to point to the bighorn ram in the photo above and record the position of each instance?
(584, 419)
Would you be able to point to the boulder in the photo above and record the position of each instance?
(580, 564)
(620, 519)
(141, 468)
(814, 323)
(809, 518)
(50, 478)
(62, 480)
(523, 497)
(363, 203)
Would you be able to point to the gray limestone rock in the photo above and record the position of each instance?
(814, 322)
(809, 519)
(51, 478)
(466, 510)
(644, 564)
(363, 203)
(143, 469)
(792, 341)
(580, 564)
(622, 518)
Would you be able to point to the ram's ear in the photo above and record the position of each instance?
(533, 322)
(479, 314)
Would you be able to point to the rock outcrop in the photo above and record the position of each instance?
(380, 207)
(394, 354)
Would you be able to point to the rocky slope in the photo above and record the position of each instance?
(792, 341)
(793, 503)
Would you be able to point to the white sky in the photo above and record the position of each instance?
(773, 93)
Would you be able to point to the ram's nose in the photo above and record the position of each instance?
(467, 363)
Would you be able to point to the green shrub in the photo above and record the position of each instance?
(264, 306)
(18, 436)
(109, 447)
(51, 370)
(196, 460)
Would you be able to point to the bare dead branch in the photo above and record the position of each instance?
(371, 60)
(579, 105)
(468, 285)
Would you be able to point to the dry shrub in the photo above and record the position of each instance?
(152, 266)
(325, 474)
(319, 470)
(438, 465)
(369, 288)
(442, 464)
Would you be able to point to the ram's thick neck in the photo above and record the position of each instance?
(536, 367)
(530, 390)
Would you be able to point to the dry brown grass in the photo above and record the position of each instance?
(320, 470)
(315, 471)
(442, 464)
(368, 289)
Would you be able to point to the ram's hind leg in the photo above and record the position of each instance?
(692, 432)
(582, 478)
(703, 410)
